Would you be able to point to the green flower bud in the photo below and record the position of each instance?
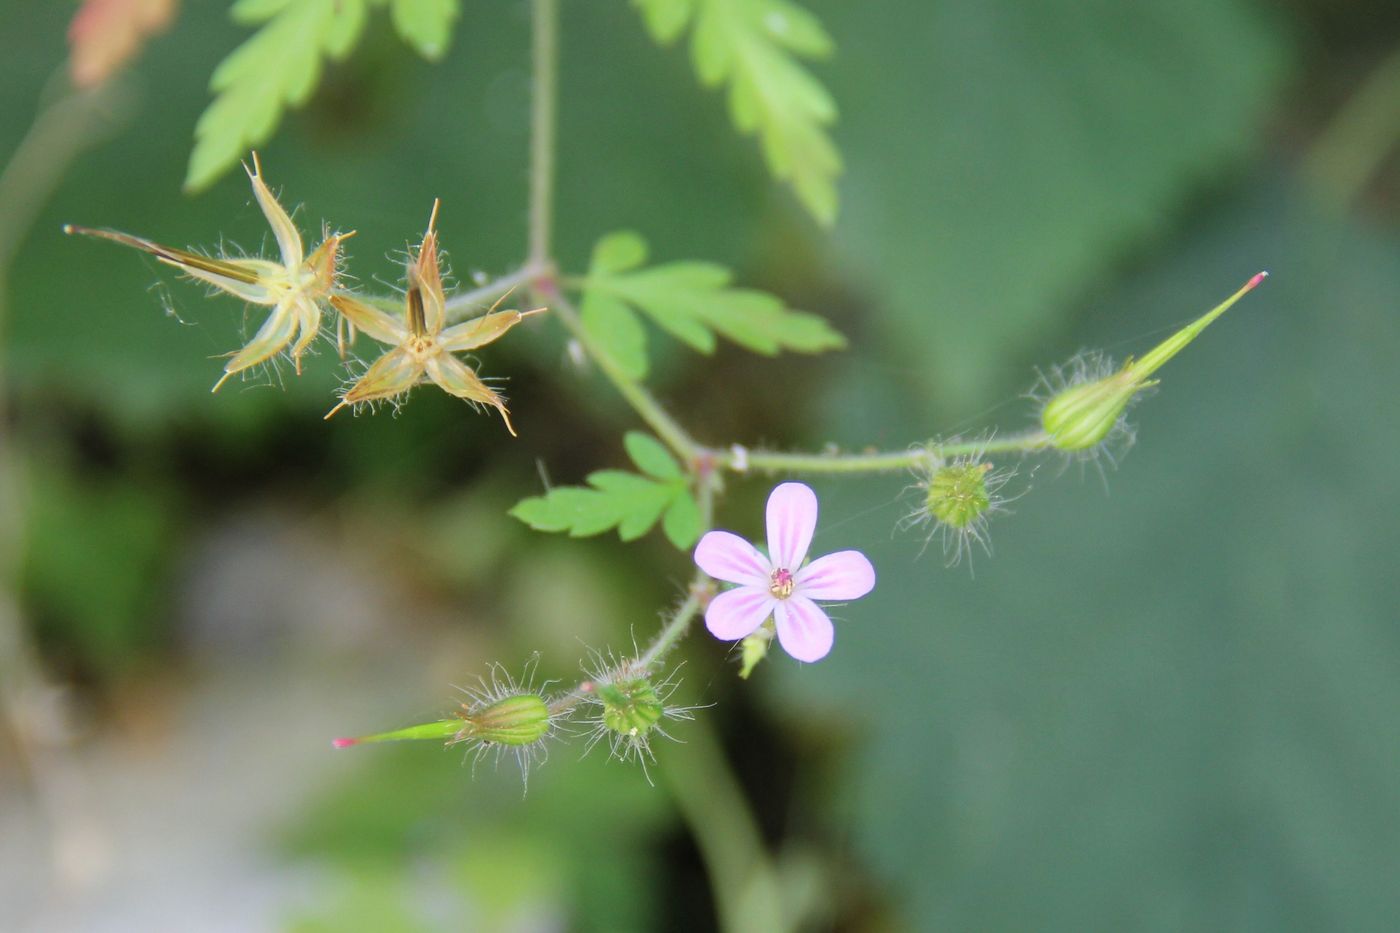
(1082, 416)
(518, 720)
(754, 649)
(502, 713)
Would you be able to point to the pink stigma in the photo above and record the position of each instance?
(344, 743)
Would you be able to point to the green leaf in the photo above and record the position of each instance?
(629, 502)
(278, 67)
(752, 44)
(651, 456)
(665, 19)
(425, 24)
(681, 523)
(1040, 152)
(618, 252)
(692, 301)
(614, 325)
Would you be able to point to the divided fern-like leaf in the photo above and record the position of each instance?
(692, 301)
(424, 24)
(629, 502)
(754, 46)
(280, 65)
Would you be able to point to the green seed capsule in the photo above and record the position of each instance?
(958, 494)
(630, 707)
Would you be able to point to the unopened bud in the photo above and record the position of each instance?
(1082, 416)
(752, 650)
(518, 720)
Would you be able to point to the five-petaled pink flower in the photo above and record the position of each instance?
(778, 585)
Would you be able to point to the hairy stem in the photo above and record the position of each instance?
(642, 401)
(740, 460)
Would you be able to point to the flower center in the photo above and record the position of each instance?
(781, 584)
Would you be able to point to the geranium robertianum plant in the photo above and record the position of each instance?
(755, 50)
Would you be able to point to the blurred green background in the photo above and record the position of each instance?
(1171, 701)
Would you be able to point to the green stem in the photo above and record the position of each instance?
(545, 72)
(674, 630)
(740, 460)
(642, 401)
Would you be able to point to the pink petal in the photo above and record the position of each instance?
(737, 613)
(804, 630)
(843, 575)
(730, 558)
(792, 517)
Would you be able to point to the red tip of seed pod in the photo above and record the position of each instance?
(1257, 279)
(344, 743)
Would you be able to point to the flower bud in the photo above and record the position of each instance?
(502, 713)
(1081, 416)
(754, 649)
(518, 720)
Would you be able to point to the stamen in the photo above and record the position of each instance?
(782, 584)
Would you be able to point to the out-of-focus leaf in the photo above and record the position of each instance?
(691, 301)
(278, 67)
(1021, 152)
(1171, 707)
(106, 34)
(753, 46)
(408, 806)
(425, 24)
(93, 571)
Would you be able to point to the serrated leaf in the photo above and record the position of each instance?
(249, 12)
(651, 456)
(665, 19)
(614, 325)
(751, 44)
(630, 502)
(692, 301)
(681, 523)
(618, 252)
(425, 24)
(280, 65)
(277, 67)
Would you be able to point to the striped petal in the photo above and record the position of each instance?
(843, 575)
(792, 517)
(728, 557)
(736, 614)
(804, 630)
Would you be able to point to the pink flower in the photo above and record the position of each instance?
(778, 585)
